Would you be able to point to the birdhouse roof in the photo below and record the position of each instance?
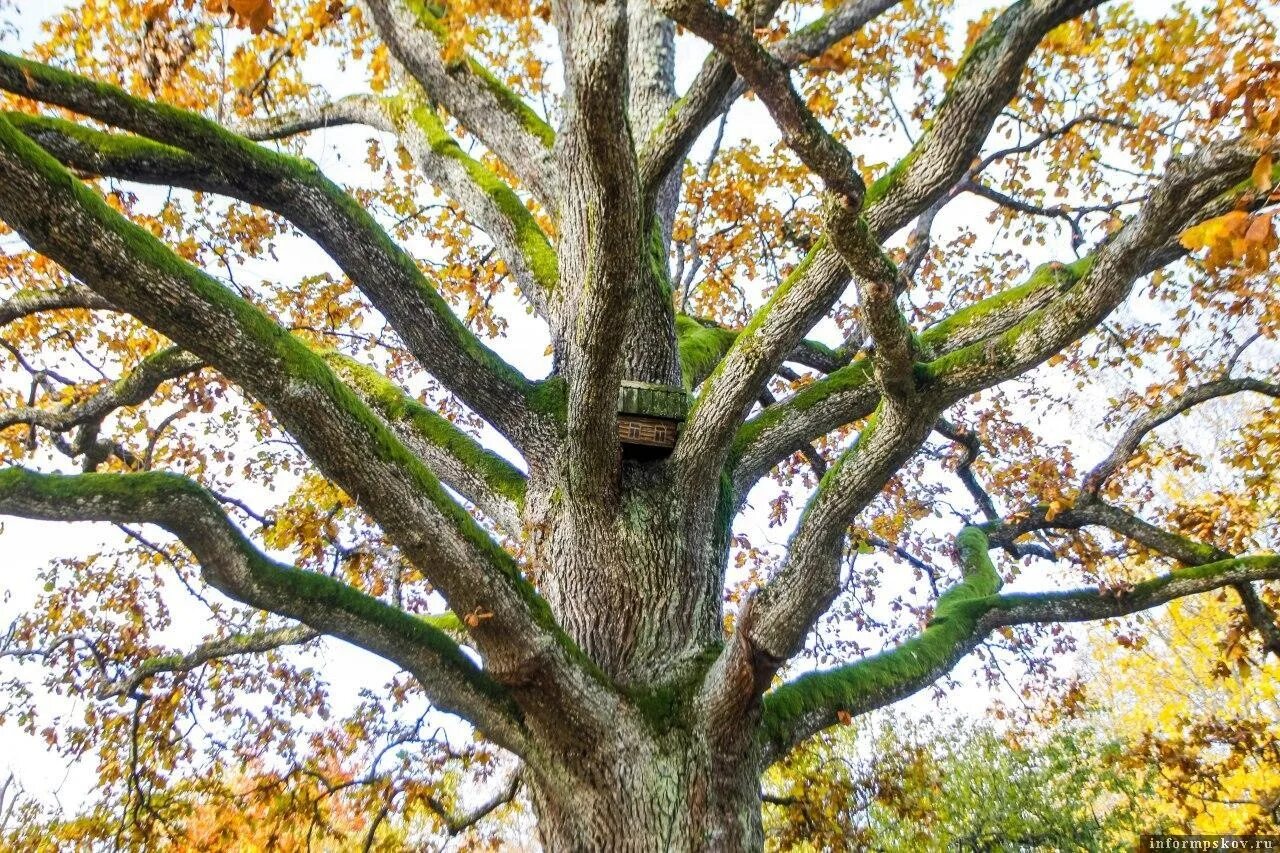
(652, 400)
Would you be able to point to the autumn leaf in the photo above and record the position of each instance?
(477, 616)
(254, 14)
(1233, 237)
(1262, 173)
(1259, 229)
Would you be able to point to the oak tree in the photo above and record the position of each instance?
(861, 357)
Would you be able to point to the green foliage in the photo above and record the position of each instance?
(956, 786)
(970, 787)
(896, 672)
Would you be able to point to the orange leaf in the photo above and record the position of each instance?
(1214, 231)
(475, 617)
(1259, 229)
(254, 14)
(1262, 173)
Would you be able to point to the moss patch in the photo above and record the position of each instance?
(533, 244)
(393, 403)
(702, 346)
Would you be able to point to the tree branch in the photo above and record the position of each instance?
(769, 78)
(964, 470)
(492, 203)
(777, 618)
(985, 328)
(28, 302)
(605, 241)
(893, 345)
(470, 93)
(703, 344)
(717, 85)
(1089, 510)
(773, 332)
(481, 476)
(65, 221)
(455, 824)
(225, 647)
(353, 109)
(809, 579)
(231, 564)
(1138, 429)
(964, 615)
(131, 390)
(985, 82)
(231, 165)
(1092, 287)
(848, 394)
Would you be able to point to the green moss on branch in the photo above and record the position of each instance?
(532, 243)
(882, 678)
(702, 346)
(183, 132)
(501, 477)
(851, 377)
(430, 17)
(168, 500)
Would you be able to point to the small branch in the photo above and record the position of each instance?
(930, 571)
(8, 649)
(1136, 431)
(204, 653)
(1262, 617)
(233, 565)
(353, 109)
(458, 823)
(770, 79)
(131, 390)
(984, 83)
(972, 445)
(1048, 135)
(29, 302)
(471, 93)
(965, 615)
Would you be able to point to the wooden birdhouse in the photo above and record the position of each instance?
(649, 418)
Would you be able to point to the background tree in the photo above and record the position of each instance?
(831, 306)
(1190, 704)
(960, 786)
(1194, 692)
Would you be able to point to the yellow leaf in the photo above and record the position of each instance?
(1213, 231)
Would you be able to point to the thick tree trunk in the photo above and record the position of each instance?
(637, 586)
(664, 793)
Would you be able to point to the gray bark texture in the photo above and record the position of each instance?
(605, 664)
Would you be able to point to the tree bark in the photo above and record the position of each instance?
(652, 792)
